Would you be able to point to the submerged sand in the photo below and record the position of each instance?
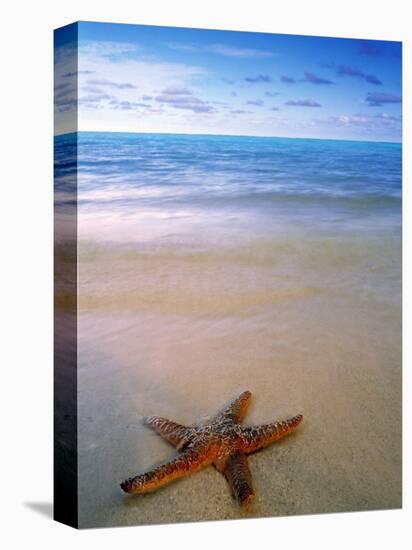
(308, 324)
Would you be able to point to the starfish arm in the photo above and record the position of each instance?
(235, 411)
(174, 433)
(257, 437)
(237, 473)
(186, 463)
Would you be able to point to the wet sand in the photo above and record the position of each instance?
(309, 323)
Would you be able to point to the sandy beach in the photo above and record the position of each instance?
(181, 340)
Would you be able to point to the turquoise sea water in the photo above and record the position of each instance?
(298, 181)
(242, 165)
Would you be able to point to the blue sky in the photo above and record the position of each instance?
(159, 79)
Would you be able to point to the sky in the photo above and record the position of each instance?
(134, 78)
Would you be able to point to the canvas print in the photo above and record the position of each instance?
(228, 225)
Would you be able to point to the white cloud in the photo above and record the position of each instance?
(231, 51)
(65, 92)
(381, 119)
(121, 79)
(106, 48)
(221, 49)
(178, 98)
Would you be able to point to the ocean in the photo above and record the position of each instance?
(208, 265)
(183, 179)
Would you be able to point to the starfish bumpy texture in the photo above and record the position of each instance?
(223, 442)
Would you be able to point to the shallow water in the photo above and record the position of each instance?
(210, 265)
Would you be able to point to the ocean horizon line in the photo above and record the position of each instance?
(227, 136)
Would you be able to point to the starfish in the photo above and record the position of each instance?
(223, 442)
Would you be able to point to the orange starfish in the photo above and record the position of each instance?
(223, 443)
